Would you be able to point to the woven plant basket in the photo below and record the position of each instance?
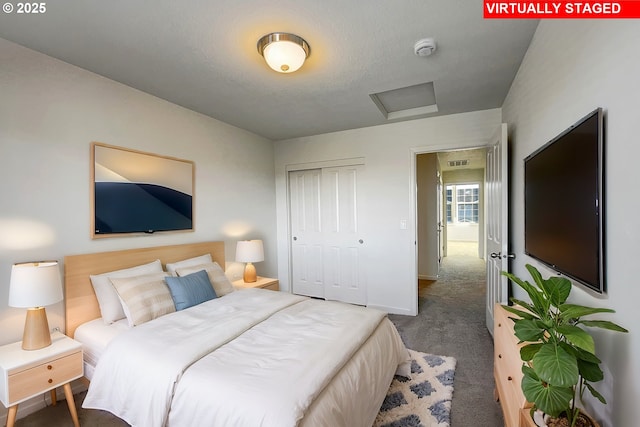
(584, 420)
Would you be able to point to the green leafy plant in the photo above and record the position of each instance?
(559, 355)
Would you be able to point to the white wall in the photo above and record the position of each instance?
(50, 112)
(571, 68)
(389, 188)
(463, 232)
(427, 179)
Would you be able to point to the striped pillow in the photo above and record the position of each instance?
(144, 297)
(110, 305)
(220, 282)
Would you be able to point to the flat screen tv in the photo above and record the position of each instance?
(564, 203)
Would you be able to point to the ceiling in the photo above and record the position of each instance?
(202, 55)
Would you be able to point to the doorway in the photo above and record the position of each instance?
(451, 214)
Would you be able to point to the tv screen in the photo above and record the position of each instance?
(564, 203)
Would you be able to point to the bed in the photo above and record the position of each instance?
(251, 357)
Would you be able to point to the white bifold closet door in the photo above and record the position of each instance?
(327, 255)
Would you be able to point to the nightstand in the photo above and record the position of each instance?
(262, 282)
(25, 374)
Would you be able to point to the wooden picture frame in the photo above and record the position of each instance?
(135, 192)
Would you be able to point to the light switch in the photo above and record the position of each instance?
(403, 224)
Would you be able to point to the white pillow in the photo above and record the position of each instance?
(220, 282)
(202, 259)
(108, 300)
(144, 298)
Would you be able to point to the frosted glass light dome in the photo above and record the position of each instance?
(284, 53)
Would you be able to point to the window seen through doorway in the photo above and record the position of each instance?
(462, 203)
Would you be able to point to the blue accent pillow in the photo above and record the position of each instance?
(190, 290)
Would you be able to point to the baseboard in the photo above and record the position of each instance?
(428, 277)
(42, 401)
(392, 310)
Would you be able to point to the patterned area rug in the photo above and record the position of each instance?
(425, 399)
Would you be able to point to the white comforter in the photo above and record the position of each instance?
(251, 358)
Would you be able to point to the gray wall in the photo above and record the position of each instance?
(427, 195)
(571, 68)
(50, 112)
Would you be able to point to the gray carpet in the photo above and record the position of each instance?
(451, 322)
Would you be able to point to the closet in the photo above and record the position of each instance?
(327, 243)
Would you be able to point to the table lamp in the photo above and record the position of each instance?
(249, 251)
(34, 285)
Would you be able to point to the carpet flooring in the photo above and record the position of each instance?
(451, 322)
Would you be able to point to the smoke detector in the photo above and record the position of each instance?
(425, 47)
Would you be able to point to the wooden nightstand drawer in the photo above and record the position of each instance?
(44, 377)
(27, 373)
(262, 282)
(272, 286)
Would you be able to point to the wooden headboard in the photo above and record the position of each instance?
(81, 304)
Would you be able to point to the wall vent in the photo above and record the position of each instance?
(456, 163)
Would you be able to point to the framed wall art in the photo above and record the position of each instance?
(134, 192)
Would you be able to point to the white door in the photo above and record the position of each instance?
(327, 244)
(497, 191)
(307, 246)
(343, 262)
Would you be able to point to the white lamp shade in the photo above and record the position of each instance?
(35, 284)
(284, 56)
(249, 251)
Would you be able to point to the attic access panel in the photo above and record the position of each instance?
(406, 102)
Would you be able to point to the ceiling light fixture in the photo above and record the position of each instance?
(284, 52)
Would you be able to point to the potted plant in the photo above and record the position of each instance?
(559, 355)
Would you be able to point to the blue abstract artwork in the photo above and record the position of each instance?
(135, 192)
